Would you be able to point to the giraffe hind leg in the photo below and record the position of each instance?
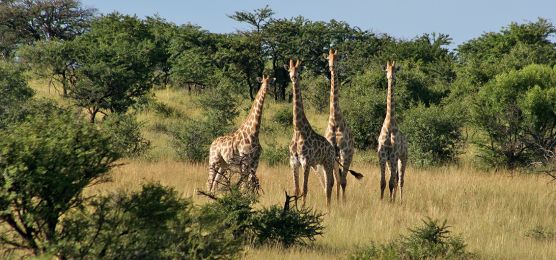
(329, 182)
(401, 168)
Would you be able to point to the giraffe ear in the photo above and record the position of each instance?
(291, 63)
(260, 80)
(325, 56)
(336, 52)
(298, 63)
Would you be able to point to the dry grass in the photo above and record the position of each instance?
(492, 211)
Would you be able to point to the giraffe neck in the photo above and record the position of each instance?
(390, 102)
(300, 122)
(253, 122)
(334, 98)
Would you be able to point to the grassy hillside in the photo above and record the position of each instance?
(492, 211)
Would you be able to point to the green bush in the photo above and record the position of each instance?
(431, 241)
(433, 133)
(125, 133)
(275, 155)
(283, 117)
(45, 163)
(154, 223)
(275, 225)
(14, 91)
(267, 226)
(516, 111)
(192, 140)
(316, 91)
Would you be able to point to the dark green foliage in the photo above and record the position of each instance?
(45, 163)
(275, 225)
(283, 117)
(115, 64)
(154, 223)
(431, 241)
(191, 140)
(125, 133)
(23, 21)
(165, 110)
(267, 226)
(220, 109)
(316, 90)
(517, 112)
(275, 154)
(433, 133)
(14, 92)
(364, 107)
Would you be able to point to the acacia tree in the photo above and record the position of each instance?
(517, 112)
(25, 21)
(14, 91)
(45, 163)
(115, 64)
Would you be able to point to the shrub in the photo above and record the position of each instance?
(316, 90)
(125, 133)
(14, 91)
(154, 223)
(542, 233)
(276, 155)
(45, 163)
(517, 113)
(431, 241)
(192, 140)
(283, 117)
(275, 225)
(433, 133)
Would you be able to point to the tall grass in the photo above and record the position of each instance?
(493, 211)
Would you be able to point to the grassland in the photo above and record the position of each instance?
(492, 211)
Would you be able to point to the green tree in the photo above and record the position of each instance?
(14, 91)
(54, 59)
(45, 163)
(517, 113)
(25, 21)
(115, 64)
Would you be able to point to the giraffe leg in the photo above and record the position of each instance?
(306, 171)
(401, 168)
(393, 167)
(294, 164)
(337, 178)
(382, 177)
(343, 176)
(329, 183)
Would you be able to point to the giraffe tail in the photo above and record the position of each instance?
(355, 174)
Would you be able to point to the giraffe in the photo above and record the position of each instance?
(338, 132)
(240, 148)
(307, 148)
(392, 145)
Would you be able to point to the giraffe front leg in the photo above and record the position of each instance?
(382, 178)
(306, 171)
(401, 168)
(294, 164)
(329, 183)
(337, 177)
(343, 175)
(393, 167)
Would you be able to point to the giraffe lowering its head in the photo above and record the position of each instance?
(392, 145)
(338, 132)
(240, 149)
(307, 148)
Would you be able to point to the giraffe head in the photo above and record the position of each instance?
(294, 70)
(391, 69)
(332, 61)
(265, 80)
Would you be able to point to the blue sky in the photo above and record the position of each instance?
(461, 19)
